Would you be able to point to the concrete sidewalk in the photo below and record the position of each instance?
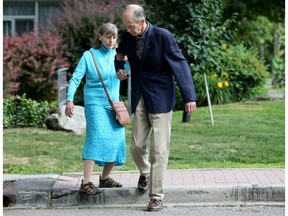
(182, 187)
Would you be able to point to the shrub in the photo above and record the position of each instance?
(218, 85)
(247, 73)
(30, 63)
(10, 86)
(239, 76)
(278, 65)
(220, 91)
(22, 112)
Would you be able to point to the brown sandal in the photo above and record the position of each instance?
(89, 188)
(108, 183)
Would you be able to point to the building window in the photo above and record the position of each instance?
(23, 25)
(20, 17)
(18, 8)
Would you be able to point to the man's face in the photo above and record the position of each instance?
(133, 27)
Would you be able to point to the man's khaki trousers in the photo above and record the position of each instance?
(154, 162)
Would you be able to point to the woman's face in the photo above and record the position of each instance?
(108, 40)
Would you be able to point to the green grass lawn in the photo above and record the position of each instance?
(244, 135)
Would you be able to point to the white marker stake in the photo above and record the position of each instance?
(208, 98)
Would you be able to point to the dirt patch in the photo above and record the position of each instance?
(194, 146)
(16, 160)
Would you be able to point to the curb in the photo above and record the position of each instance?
(39, 193)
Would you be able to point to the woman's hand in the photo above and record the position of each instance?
(121, 57)
(69, 109)
(121, 74)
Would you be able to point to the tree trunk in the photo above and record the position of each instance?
(276, 49)
(262, 52)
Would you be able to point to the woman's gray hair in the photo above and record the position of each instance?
(105, 29)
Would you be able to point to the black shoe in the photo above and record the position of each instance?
(143, 184)
(155, 205)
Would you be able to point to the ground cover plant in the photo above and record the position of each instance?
(244, 135)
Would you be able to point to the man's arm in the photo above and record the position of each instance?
(180, 69)
(120, 60)
(121, 57)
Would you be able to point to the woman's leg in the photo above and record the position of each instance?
(87, 186)
(107, 170)
(105, 181)
(88, 169)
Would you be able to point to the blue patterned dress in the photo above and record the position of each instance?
(105, 137)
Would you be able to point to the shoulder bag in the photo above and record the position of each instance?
(119, 108)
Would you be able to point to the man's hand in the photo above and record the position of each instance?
(190, 107)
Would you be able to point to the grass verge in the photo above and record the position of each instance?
(244, 135)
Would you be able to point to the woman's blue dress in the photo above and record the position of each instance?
(105, 137)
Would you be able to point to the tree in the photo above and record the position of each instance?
(171, 15)
(249, 12)
(198, 26)
(251, 9)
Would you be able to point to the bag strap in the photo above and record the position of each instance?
(97, 69)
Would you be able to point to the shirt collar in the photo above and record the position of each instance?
(143, 36)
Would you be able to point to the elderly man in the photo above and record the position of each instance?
(156, 62)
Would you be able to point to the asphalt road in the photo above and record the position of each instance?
(171, 211)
